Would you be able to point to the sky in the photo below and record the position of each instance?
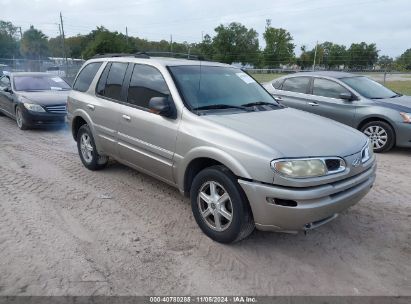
(384, 22)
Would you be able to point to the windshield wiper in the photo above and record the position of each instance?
(259, 103)
(396, 95)
(221, 106)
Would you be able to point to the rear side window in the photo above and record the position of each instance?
(146, 82)
(111, 81)
(328, 88)
(296, 84)
(86, 76)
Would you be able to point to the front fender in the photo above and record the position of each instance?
(182, 162)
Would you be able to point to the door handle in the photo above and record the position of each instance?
(126, 117)
(91, 107)
(314, 104)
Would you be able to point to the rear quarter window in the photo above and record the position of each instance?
(86, 76)
(296, 84)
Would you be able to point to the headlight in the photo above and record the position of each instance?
(33, 107)
(310, 167)
(367, 152)
(406, 117)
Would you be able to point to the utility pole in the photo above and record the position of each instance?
(315, 55)
(64, 43)
(171, 45)
(61, 41)
(21, 33)
(126, 36)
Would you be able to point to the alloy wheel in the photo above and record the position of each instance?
(86, 148)
(215, 206)
(377, 135)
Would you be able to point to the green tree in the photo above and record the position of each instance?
(103, 41)
(8, 40)
(279, 48)
(306, 58)
(386, 62)
(34, 44)
(362, 55)
(235, 43)
(404, 61)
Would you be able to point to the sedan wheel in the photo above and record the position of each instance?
(381, 135)
(20, 119)
(377, 135)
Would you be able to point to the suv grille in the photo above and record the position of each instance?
(60, 109)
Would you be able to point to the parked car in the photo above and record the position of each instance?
(214, 133)
(34, 99)
(380, 113)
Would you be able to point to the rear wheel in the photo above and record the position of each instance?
(21, 122)
(381, 134)
(87, 150)
(219, 205)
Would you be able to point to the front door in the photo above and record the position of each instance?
(147, 140)
(325, 101)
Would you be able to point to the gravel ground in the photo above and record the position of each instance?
(65, 230)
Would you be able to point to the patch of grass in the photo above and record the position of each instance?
(403, 87)
(261, 78)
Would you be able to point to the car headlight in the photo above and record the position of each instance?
(33, 107)
(367, 152)
(309, 167)
(406, 117)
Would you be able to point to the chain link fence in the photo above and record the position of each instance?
(56, 66)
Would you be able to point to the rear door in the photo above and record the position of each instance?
(106, 107)
(6, 98)
(293, 92)
(147, 140)
(325, 100)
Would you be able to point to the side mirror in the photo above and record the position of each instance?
(347, 96)
(162, 106)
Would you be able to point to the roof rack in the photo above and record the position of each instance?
(107, 55)
(148, 55)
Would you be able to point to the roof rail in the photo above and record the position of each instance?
(149, 54)
(108, 55)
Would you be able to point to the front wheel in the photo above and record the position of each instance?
(87, 150)
(219, 205)
(20, 120)
(381, 134)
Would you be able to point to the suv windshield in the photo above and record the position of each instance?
(368, 88)
(39, 83)
(214, 87)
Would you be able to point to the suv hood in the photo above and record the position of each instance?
(402, 103)
(46, 98)
(294, 133)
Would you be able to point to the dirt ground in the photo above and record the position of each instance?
(65, 230)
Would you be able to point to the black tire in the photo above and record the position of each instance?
(96, 161)
(242, 223)
(20, 120)
(384, 127)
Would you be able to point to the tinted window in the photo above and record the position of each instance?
(146, 82)
(114, 81)
(102, 81)
(86, 76)
(296, 84)
(368, 88)
(328, 88)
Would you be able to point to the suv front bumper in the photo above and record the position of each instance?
(315, 205)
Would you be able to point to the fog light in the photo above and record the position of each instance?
(281, 202)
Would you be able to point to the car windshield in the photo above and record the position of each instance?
(368, 88)
(216, 87)
(39, 83)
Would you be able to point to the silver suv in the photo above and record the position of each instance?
(213, 132)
